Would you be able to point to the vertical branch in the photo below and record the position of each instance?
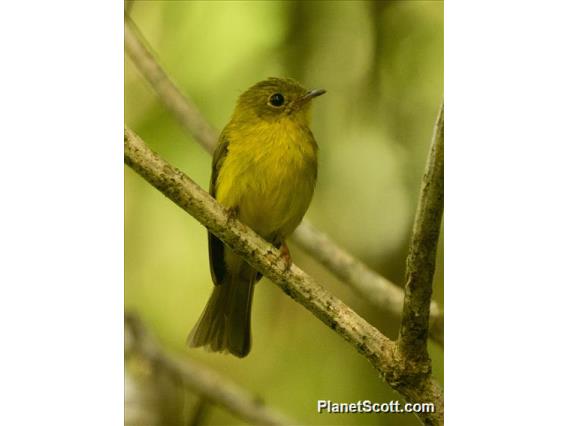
(421, 261)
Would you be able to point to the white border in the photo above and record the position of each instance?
(61, 214)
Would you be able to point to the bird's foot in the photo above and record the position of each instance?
(285, 255)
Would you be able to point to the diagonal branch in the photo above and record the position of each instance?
(203, 382)
(181, 106)
(421, 261)
(371, 343)
(373, 287)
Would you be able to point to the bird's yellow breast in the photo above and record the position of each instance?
(269, 175)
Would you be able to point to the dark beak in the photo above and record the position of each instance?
(312, 94)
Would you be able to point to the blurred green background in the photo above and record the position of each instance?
(382, 65)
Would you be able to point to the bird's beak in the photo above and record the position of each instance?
(312, 94)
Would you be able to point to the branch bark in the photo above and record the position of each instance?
(373, 287)
(206, 383)
(377, 348)
(421, 260)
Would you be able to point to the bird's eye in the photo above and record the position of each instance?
(276, 100)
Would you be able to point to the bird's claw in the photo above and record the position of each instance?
(285, 255)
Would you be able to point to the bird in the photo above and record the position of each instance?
(264, 173)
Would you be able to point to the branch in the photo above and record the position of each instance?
(203, 382)
(370, 285)
(421, 261)
(372, 344)
(182, 107)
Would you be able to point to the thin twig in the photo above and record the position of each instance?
(377, 348)
(421, 261)
(200, 380)
(374, 288)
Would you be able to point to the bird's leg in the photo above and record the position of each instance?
(285, 254)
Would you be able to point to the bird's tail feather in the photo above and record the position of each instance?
(224, 325)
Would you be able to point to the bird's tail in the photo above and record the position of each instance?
(224, 325)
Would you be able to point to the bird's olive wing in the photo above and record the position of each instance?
(216, 246)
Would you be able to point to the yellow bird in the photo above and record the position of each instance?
(264, 171)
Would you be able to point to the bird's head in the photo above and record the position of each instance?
(275, 99)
